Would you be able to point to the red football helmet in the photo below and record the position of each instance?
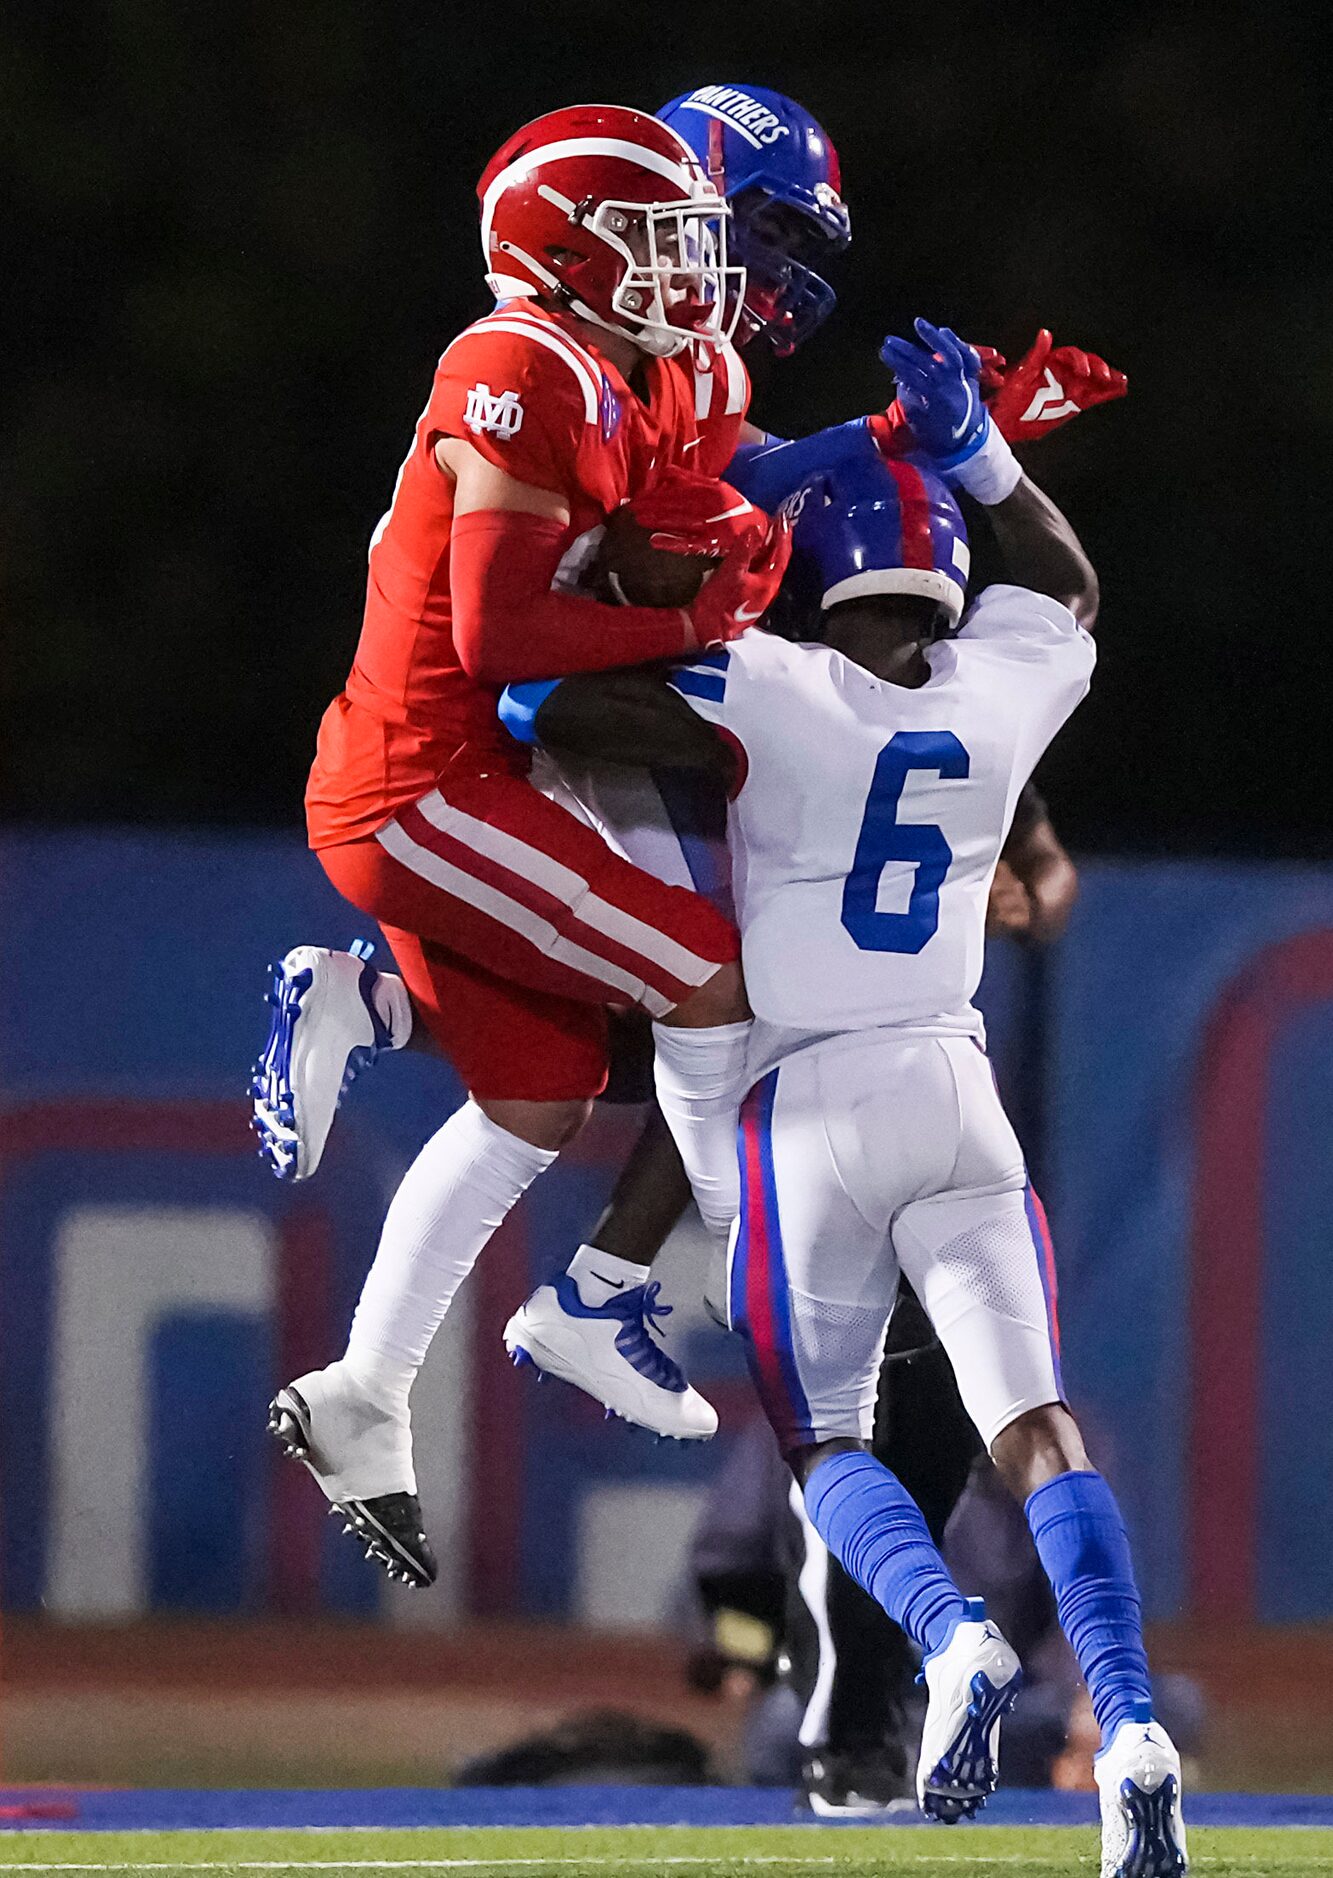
(607, 211)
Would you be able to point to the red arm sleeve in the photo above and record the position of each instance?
(508, 623)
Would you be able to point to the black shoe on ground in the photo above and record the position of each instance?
(863, 1783)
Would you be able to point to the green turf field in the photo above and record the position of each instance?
(720, 1852)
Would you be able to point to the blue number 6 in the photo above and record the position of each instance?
(884, 838)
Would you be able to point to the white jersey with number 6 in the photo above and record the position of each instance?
(866, 832)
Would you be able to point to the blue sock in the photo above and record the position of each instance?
(875, 1529)
(1084, 1549)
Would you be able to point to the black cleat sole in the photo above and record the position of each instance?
(388, 1526)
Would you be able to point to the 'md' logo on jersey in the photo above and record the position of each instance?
(501, 414)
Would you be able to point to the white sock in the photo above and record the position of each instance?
(451, 1199)
(701, 1078)
(598, 1277)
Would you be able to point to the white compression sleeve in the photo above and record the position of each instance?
(701, 1078)
(451, 1199)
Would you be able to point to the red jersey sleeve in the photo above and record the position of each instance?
(524, 398)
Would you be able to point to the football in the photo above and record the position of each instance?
(645, 575)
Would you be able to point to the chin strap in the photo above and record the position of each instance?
(568, 299)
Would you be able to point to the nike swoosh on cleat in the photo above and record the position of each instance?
(616, 1284)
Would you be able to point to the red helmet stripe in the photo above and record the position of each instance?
(615, 148)
(914, 513)
(717, 168)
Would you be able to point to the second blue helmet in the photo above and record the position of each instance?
(778, 169)
(869, 529)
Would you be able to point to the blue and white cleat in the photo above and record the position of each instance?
(333, 1013)
(593, 1326)
(1138, 1779)
(972, 1684)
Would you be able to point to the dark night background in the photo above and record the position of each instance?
(241, 235)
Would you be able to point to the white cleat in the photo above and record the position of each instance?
(361, 1454)
(608, 1349)
(1138, 1780)
(332, 1015)
(972, 1683)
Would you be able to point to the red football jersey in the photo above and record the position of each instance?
(552, 411)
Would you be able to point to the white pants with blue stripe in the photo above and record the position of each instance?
(866, 1154)
(671, 823)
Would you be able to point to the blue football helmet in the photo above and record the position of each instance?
(873, 528)
(778, 170)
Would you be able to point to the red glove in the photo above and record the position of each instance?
(744, 587)
(1047, 388)
(685, 513)
(1028, 400)
(992, 370)
(697, 515)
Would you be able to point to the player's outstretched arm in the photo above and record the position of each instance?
(1047, 388)
(939, 385)
(1041, 550)
(618, 717)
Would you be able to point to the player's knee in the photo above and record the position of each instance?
(1040, 1445)
(550, 1125)
(721, 1001)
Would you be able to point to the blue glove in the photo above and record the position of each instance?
(519, 705)
(767, 473)
(939, 387)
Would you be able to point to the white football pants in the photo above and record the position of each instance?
(861, 1155)
(671, 823)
